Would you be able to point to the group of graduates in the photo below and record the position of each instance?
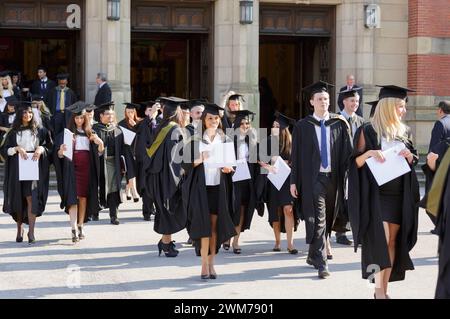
(170, 166)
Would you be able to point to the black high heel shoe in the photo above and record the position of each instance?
(31, 241)
(168, 249)
(74, 236)
(80, 233)
(19, 239)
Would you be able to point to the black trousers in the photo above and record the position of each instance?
(342, 223)
(113, 201)
(324, 204)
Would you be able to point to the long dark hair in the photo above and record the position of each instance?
(86, 125)
(17, 124)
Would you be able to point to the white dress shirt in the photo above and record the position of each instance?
(319, 137)
(26, 140)
(243, 149)
(212, 175)
(82, 143)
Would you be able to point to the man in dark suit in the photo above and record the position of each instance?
(351, 85)
(351, 100)
(441, 129)
(44, 85)
(57, 101)
(104, 94)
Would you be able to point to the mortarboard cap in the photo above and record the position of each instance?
(350, 93)
(12, 100)
(36, 97)
(78, 108)
(14, 73)
(243, 115)
(317, 87)
(62, 76)
(171, 102)
(283, 120)
(236, 97)
(4, 74)
(108, 106)
(90, 107)
(373, 104)
(132, 106)
(213, 109)
(196, 102)
(393, 91)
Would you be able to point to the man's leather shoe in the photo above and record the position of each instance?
(311, 263)
(115, 221)
(343, 240)
(147, 217)
(95, 218)
(323, 272)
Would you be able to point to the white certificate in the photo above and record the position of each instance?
(242, 172)
(128, 135)
(282, 173)
(394, 166)
(2, 105)
(28, 169)
(68, 141)
(220, 155)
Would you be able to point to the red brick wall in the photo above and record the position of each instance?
(429, 74)
(429, 18)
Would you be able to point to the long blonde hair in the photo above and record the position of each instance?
(386, 122)
(10, 86)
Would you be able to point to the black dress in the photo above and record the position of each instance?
(366, 216)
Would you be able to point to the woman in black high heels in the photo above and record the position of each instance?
(207, 192)
(130, 122)
(163, 175)
(280, 203)
(25, 200)
(78, 177)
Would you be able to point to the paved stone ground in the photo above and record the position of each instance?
(122, 262)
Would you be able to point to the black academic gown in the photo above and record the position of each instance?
(67, 186)
(238, 190)
(163, 184)
(13, 202)
(101, 130)
(443, 231)
(4, 122)
(129, 152)
(195, 202)
(306, 166)
(275, 199)
(365, 215)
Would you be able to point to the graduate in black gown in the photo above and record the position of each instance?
(437, 204)
(350, 100)
(163, 175)
(207, 192)
(384, 218)
(25, 200)
(233, 103)
(8, 115)
(41, 112)
(144, 134)
(111, 161)
(78, 177)
(131, 122)
(321, 149)
(246, 149)
(280, 204)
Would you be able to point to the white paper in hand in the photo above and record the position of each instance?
(68, 141)
(220, 155)
(394, 166)
(282, 173)
(242, 172)
(28, 169)
(128, 135)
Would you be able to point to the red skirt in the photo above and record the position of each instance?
(81, 165)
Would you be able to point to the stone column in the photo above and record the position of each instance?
(108, 48)
(236, 51)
